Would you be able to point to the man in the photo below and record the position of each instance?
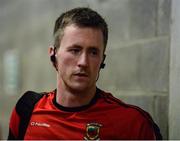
(77, 109)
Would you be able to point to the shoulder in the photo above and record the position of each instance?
(133, 115)
(127, 109)
(28, 100)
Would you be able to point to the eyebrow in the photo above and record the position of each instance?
(80, 47)
(74, 46)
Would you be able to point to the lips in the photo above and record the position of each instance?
(81, 74)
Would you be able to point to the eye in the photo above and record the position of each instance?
(94, 52)
(74, 50)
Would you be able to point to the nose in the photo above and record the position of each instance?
(83, 60)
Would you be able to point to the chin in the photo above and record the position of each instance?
(80, 87)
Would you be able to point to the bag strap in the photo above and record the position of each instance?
(24, 108)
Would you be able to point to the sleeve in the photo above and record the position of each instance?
(147, 128)
(13, 125)
(146, 131)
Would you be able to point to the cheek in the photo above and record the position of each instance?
(65, 62)
(96, 67)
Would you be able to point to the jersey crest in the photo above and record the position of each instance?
(92, 131)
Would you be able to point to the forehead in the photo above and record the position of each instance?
(89, 36)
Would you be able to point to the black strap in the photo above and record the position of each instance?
(24, 108)
(10, 135)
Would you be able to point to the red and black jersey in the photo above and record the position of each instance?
(105, 118)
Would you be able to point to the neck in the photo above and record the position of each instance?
(73, 98)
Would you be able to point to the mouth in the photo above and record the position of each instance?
(81, 74)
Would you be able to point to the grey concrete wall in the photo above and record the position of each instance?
(174, 97)
(137, 63)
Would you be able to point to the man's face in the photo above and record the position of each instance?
(79, 57)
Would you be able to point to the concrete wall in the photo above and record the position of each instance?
(174, 97)
(137, 63)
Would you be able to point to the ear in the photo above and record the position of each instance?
(102, 63)
(52, 52)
